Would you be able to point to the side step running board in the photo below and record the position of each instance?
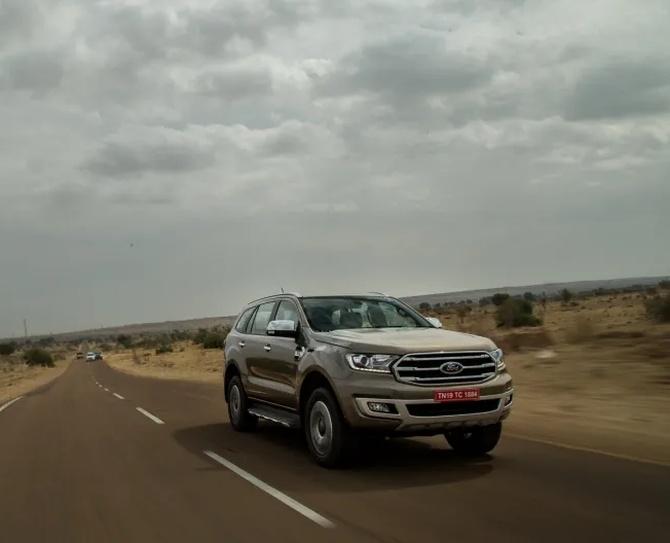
(274, 414)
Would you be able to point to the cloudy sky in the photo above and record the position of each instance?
(172, 159)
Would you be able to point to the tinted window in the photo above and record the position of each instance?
(287, 311)
(326, 314)
(243, 321)
(262, 318)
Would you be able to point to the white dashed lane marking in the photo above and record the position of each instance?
(150, 416)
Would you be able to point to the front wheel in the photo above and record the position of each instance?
(474, 441)
(238, 412)
(328, 437)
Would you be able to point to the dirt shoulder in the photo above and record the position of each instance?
(19, 379)
(586, 398)
(187, 362)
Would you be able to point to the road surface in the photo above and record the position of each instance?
(101, 456)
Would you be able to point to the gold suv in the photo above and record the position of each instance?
(347, 368)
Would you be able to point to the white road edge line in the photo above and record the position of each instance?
(286, 500)
(10, 402)
(105, 389)
(118, 396)
(150, 416)
(588, 450)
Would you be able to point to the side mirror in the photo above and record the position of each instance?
(281, 328)
(434, 321)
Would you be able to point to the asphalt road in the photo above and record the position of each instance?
(79, 464)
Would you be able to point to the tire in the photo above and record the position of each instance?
(238, 414)
(475, 441)
(328, 438)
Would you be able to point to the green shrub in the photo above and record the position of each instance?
(499, 298)
(664, 284)
(165, 348)
(7, 348)
(659, 308)
(566, 295)
(180, 335)
(516, 312)
(424, 306)
(124, 340)
(529, 296)
(214, 339)
(38, 357)
(200, 336)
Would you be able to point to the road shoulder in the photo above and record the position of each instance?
(23, 380)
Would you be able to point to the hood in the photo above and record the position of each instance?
(404, 340)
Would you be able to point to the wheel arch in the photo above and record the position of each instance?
(231, 371)
(313, 380)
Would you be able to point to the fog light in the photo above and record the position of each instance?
(381, 407)
(509, 399)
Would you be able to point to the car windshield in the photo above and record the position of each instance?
(326, 314)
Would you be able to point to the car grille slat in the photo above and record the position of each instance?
(425, 368)
(452, 408)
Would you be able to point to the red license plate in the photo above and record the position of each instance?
(456, 395)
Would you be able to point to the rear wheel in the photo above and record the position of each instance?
(328, 437)
(238, 412)
(474, 441)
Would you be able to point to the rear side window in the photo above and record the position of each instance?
(262, 318)
(243, 321)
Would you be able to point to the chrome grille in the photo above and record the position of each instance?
(424, 368)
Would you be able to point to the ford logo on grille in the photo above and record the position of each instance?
(451, 368)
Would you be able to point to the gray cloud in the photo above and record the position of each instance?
(235, 82)
(151, 151)
(18, 19)
(622, 89)
(408, 67)
(37, 71)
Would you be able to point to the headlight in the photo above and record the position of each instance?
(376, 363)
(497, 355)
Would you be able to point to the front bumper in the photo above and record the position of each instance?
(406, 422)
(415, 409)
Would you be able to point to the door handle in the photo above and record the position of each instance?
(267, 347)
(241, 344)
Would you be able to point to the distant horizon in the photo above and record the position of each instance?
(648, 278)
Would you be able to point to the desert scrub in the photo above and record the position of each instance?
(516, 312)
(658, 308)
(38, 357)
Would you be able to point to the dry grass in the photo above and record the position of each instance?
(187, 361)
(17, 378)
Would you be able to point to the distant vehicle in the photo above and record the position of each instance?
(346, 368)
(79, 355)
(90, 356)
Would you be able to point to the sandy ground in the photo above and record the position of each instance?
(596, 375)
(18, 379)
(187, 362)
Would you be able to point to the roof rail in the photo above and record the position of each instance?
(379, 293)
(297, 294)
